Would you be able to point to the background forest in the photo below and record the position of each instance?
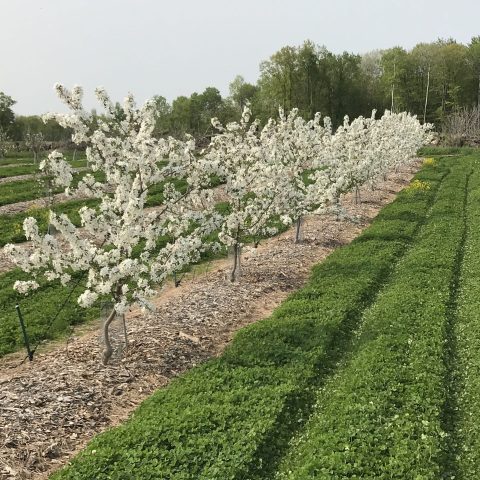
(431, 80)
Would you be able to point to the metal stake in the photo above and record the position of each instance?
(24, 332)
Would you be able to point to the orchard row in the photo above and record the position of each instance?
(287, 169)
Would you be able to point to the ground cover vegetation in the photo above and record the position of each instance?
(37, 188)
(385, 413)
(235, 416)
(465, 358)
(16, 170)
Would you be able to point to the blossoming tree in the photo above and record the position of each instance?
(254, 182)
(117, 246)
(296, 145)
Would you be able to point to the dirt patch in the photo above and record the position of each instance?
(51, 408)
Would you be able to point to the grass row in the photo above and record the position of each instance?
(14, 158)
(466, 421)
(16, 170)
(23, 190)
(232, 417)
(436, 151)
(383, 415)
(11, 226)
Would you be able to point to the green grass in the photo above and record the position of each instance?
(232, 418)
(11, 226)
(383, 414)
(23, 190)
(17, 170)
(439, 151)
(13, 158)
(466, 381)
(38, 312)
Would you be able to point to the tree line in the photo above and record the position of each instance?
(431, 80)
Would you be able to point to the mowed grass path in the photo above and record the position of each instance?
(386, 413)
(351, 377)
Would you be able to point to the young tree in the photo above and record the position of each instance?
(7, 116)
(297, 146)
(34, 141)
(118, 246)
(253, 183)
(4, 138)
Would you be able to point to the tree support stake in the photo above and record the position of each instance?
(24, 332)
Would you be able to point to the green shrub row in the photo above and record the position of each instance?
(466, 422)
(382, 415)
(232, 417)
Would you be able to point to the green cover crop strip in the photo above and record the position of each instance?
(466, 421)
(11, 226)
(232, 417)
(383, 415)
(15, 170)
(23, 190)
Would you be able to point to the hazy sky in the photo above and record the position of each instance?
(177, 47)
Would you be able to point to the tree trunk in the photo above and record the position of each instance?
(236, 271)
(426, 97)
(108, 350)
(478, 94)
(357, 195)
(393, 85)
(298, 232)
(337, 209)
(125, 334)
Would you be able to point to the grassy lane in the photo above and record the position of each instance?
(15, 158)
(11, 226)
(232, 417)
(466, 420)
(22, 190)
(383, 415)
(14, 170)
